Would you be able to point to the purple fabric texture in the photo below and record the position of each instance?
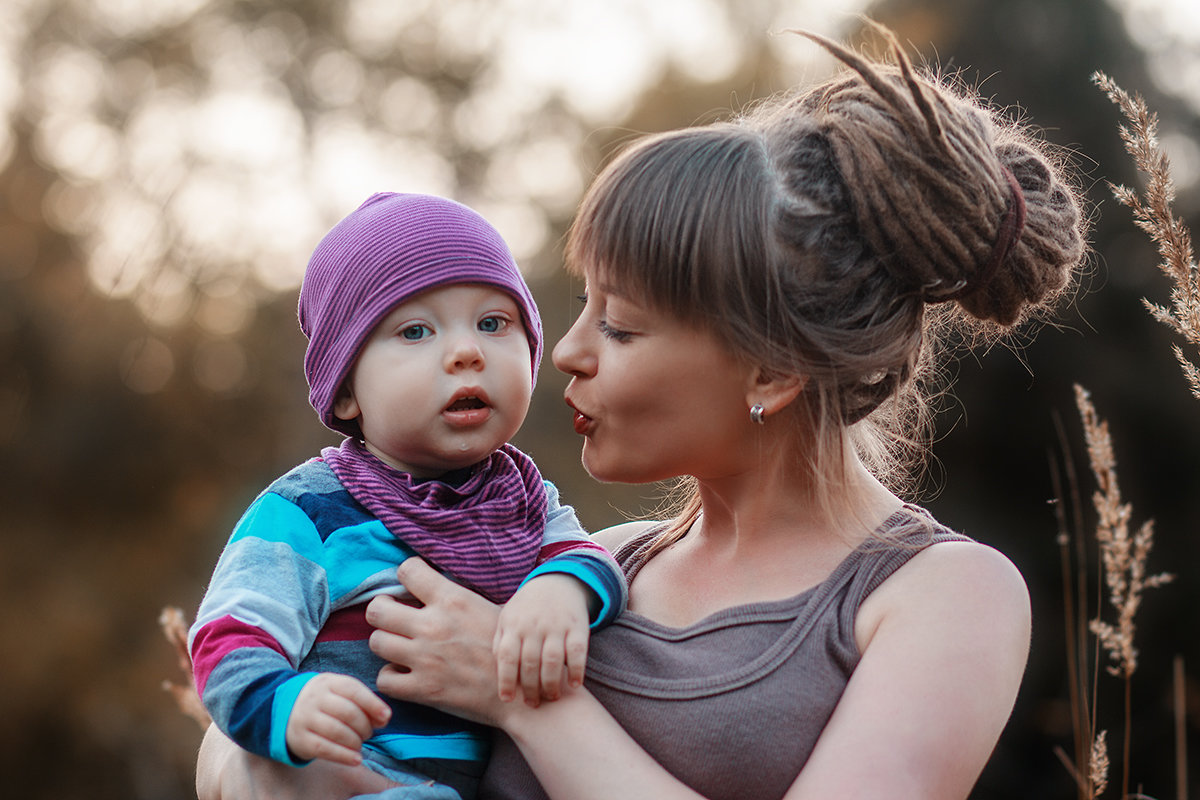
(388, 250)
(485, 534)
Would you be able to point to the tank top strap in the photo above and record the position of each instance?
(902, 535)
(825, 611)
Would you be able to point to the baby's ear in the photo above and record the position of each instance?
(344, 405)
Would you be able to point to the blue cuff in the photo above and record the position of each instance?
(281, 712)
(594, 576)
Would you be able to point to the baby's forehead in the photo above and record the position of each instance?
(447, 302)
(462, 294)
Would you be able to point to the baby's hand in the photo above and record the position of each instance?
(541, 628)
(333, 715)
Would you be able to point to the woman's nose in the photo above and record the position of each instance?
(573, 355)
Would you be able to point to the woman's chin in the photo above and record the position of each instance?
(620, 472)
(597, 469)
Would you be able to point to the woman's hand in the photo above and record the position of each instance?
(225, 771)
(439, 654)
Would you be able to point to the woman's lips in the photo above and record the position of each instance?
(583, 423)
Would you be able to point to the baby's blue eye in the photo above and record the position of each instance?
(492, 324)
(416, 332)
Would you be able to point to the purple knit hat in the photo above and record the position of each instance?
(390, 249)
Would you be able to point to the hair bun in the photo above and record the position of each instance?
(1012, 224)
(1040, 263)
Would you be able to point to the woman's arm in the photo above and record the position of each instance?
(446, 647)
(944, 643)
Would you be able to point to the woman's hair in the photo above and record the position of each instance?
(827, 234)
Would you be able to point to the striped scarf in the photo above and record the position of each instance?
(485, 534)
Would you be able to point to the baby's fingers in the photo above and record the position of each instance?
(333, 742)
(542, 670)
(363, 710)
(332, 716)
(577, 650)
(507, 649)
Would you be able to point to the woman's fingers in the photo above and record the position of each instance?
(394, 623)
(421, 580)
(439, 654)
(397, 682)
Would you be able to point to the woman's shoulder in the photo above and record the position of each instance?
(959, 584)
(968, 563)
(615, 536)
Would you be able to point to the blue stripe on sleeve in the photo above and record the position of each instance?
(246, 716)
(456, 746)
(281, 711)
(597, 574)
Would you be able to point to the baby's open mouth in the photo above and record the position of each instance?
(466, 404)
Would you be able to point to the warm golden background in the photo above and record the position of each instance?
(166, 166)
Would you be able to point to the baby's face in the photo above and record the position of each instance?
(442, 381)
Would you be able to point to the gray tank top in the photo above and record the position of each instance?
(733, 704)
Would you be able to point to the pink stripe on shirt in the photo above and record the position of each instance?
(221, 636)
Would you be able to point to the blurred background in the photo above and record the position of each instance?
(166, 167)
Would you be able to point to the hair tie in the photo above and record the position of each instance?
(1011, 226)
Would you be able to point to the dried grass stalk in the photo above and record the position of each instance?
(1152, 212)
(174, 627)
(1124, 559)
(1098, 765)
(1123, 556)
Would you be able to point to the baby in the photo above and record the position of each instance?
(424, 343)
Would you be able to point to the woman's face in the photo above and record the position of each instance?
(654, 396)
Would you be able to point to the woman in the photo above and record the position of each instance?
(761, 299)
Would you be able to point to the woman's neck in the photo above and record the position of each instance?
(756, 506)
(758, 538)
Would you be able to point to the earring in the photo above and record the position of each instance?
(757, 413)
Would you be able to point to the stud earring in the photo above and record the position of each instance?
(757, 413)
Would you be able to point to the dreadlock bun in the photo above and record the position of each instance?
(927, 172)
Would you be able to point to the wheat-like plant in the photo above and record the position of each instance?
(1124, 558)
(1098, 766)
(174, 626)
(1152, 212)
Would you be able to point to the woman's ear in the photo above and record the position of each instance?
(774, 391)
(344, 405)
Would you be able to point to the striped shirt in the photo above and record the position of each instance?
(287, 600)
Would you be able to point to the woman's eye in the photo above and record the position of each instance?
(616, 334)
(415, 332)
(493, 324)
